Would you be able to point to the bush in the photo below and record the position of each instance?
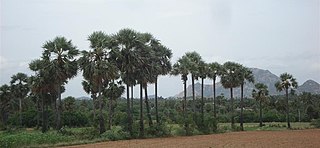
(74, 119)
(158, 130)
(116, 133)
(315, 123)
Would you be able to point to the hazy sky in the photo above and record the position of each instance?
(278, 35)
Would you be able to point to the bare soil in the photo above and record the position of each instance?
(251, 139)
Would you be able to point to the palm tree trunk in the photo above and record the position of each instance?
(193, 97)
(287, 101)
(20, 111)
(147, 105)
(44, 125)
(260, 102)
(141, 112)
(241, 108)
(94, 99)
(39, 113)
(156, 99)
(132, 99)
(202, 102)
(184, 106)
(232, 111)
(129, 111)
(214, 98)
(59, 125)
(110, 114)
(101, 119)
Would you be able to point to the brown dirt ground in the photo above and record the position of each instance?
(251, 139)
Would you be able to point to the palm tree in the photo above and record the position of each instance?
(5, 96)
(113, 92)
(260, 94)
(161, 66)
(99, 68)
(61, 53)
(127, 40)
(287, 81)
(214, 71)
(90, 88)
(246, 75)
(230, 79)
(203, 72)
(43, 85)
(20, 89)
(193, 66)
(181, 68)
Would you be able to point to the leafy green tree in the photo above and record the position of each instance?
(69, 104)
(260, 93)
(230, 79)
(246, 75)
(61, 55)
(287, 81)
(20, 89)
(214, 71)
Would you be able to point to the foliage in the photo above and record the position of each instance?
(315, 123)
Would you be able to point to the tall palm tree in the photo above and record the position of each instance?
(20, 89)
(61, 53)
(246, 75)
(203, 73)
(99, 68)
(214, 71)
(287, 81)
(230, 79)
(161, 66)
(181, 68)
(260, 94)
(193, 66)
(127, 40)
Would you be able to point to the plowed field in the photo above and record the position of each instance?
(252, 139)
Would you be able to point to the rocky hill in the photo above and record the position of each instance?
(261, 76)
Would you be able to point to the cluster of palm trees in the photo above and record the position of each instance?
(127, 57)
(232, 75)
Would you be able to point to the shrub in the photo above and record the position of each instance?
(315, 123)
(116, 133)
(159, 130)
(74, 119)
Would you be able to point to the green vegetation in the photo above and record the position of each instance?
(114, 64)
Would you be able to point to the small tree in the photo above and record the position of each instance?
(260, 94)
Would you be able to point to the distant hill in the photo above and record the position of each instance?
(83, 98)
(310, 86)
(261, 76)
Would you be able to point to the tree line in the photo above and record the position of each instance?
(116, 63)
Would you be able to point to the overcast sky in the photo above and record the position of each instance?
(278, 35)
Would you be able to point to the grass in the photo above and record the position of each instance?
(268, 126)
(73, 136)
